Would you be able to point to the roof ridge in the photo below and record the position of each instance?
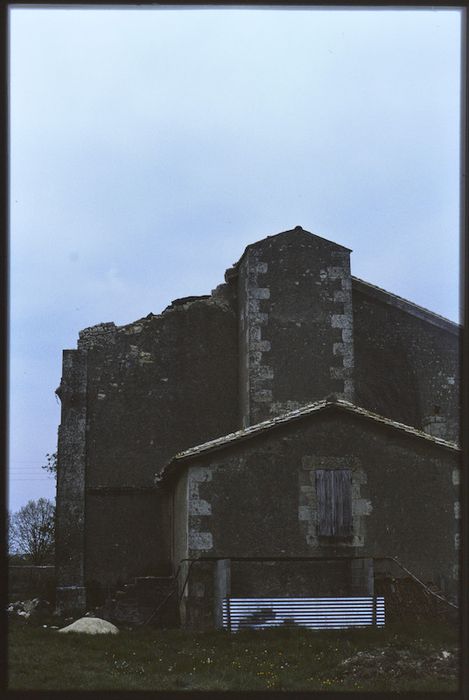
(307, 409)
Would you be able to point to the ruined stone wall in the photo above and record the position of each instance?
(295, 316)
(283, 332)
(406, 366)
(258, 499)
(71, 482)
(150, 389)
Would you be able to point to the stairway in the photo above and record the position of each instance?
(147, 600)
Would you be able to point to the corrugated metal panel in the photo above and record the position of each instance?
(314, 613)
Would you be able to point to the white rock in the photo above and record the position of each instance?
(91, 625)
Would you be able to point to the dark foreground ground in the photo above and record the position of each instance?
(396, 658)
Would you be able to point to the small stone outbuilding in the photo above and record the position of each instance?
(329, 478)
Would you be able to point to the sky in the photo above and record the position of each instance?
(149, 146)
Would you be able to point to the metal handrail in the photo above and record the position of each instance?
(417, 580)
(173, 590)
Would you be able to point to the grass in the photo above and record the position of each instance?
(295, 659)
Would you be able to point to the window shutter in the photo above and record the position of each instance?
(334, 502)
(323, 491)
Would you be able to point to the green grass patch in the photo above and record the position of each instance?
(395, 658)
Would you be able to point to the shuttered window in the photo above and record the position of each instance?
(334, 502)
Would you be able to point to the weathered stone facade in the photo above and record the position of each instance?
(289, 328)
(260, 500)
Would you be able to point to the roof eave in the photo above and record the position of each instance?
(306, 411)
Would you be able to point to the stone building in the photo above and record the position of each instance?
(287, 432)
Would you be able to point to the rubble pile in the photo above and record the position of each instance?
(29, 609)
(392, 662)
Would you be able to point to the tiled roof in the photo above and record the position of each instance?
(308, 410)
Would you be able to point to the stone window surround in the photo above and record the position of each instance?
(307, 505)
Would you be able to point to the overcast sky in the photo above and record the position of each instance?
(150, 146)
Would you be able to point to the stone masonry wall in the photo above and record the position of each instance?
(27, 582)
(290, 327)
(166, 383)
(71, 475)
(258, 499)
(149, 390)
(406, 367)
(295, 324)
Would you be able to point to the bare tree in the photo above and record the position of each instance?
(51, 463)
(12, 548)
(32, 531)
